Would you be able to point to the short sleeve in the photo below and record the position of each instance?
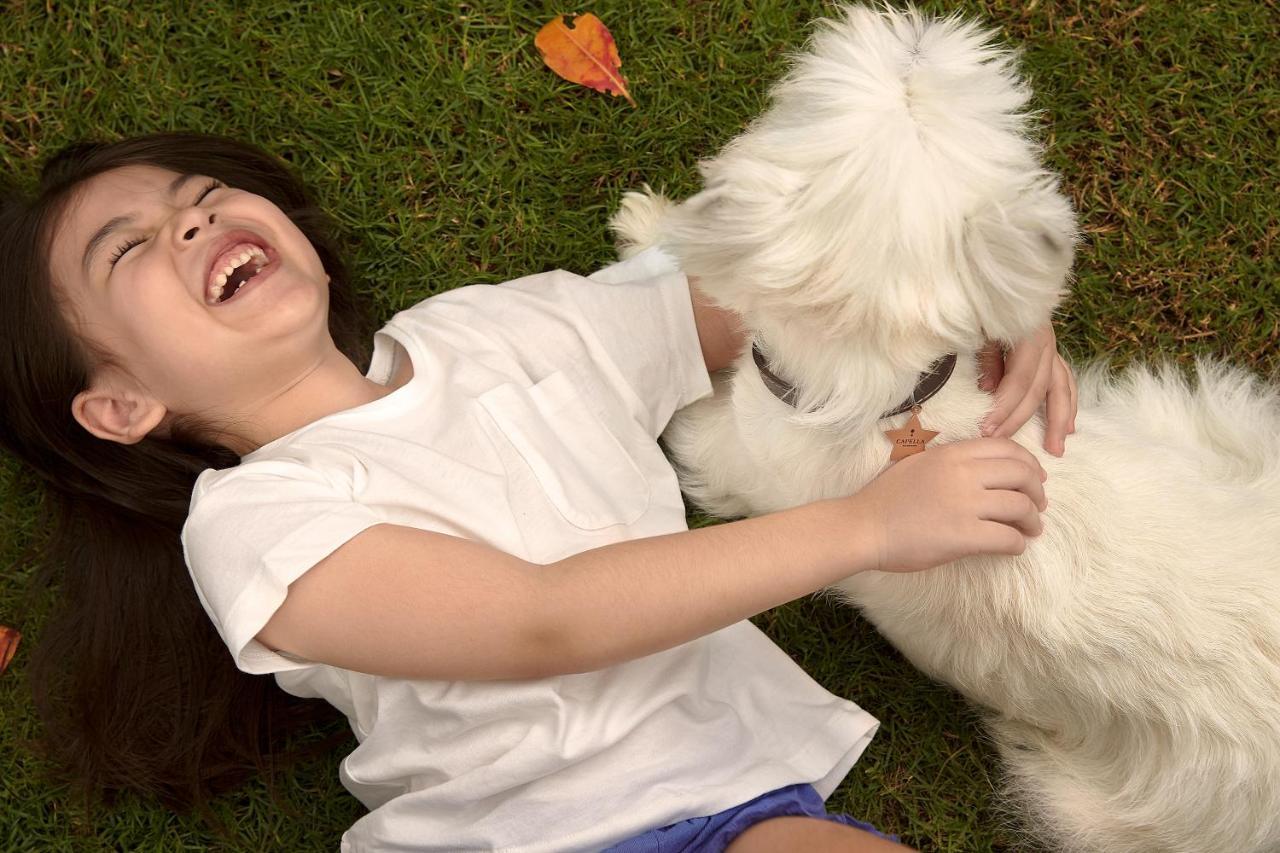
(646, 301)
(253, 530)
(627, 329)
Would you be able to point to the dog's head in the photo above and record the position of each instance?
(890, 195)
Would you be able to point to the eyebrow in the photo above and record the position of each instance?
(101, 235)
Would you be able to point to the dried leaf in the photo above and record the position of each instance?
(9, 638)
(583, 54)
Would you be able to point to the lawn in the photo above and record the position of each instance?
(451, 156)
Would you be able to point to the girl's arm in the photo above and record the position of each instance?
(404, 602)
(720, 332)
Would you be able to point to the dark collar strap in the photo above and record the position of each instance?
(784, 391)
(930, 382)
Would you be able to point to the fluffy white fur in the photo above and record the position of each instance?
(890, 207)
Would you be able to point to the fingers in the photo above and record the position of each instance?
(1059, 408)
(997, 538)
(999, 448)
(1075, 394)
(1015, 476)
(1013, 490)
(1020, 370)
(1014, 509)
(1025, 396)
(990, 366)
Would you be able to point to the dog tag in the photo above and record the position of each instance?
(910, 438)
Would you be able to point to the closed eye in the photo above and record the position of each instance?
(129, 244)
(124, 247)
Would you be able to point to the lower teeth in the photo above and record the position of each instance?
(223, 294)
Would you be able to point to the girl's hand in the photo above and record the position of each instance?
(1031, 373)
(981, 496)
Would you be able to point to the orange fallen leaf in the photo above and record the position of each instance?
(584, 53)
(9, 638)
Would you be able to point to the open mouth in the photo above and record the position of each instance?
(234, 269)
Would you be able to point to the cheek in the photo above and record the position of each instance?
(305, 256)
(148, 284)
(178, 360)
(153, 309)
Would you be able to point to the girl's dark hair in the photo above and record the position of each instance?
(135, 689)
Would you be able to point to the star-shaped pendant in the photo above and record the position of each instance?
(909, 438)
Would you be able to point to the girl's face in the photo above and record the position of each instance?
(137, 254)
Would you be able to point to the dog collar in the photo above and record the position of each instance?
(929, 383)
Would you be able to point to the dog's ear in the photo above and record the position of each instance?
(1016, 258)
(728, 233)
(743, 191)
(637, 224)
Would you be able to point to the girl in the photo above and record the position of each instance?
(473, 548)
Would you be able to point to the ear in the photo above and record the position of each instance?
(1017, 256)
(738, 233)
(122, 415)
(637, 224)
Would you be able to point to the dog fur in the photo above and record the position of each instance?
(890, 207)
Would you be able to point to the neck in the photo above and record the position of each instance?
(929, 382)
(333, 384)
(854, 381)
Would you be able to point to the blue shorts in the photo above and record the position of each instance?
(713, 834)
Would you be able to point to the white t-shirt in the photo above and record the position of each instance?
(530, 423)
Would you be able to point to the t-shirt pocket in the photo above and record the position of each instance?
(585, 472)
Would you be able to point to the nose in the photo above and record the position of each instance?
(190, 233)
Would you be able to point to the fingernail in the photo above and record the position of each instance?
(987, 429)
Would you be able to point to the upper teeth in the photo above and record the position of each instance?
(247, 252)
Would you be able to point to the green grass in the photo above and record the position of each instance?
(442, 144)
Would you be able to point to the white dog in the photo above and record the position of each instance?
(890, 210)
